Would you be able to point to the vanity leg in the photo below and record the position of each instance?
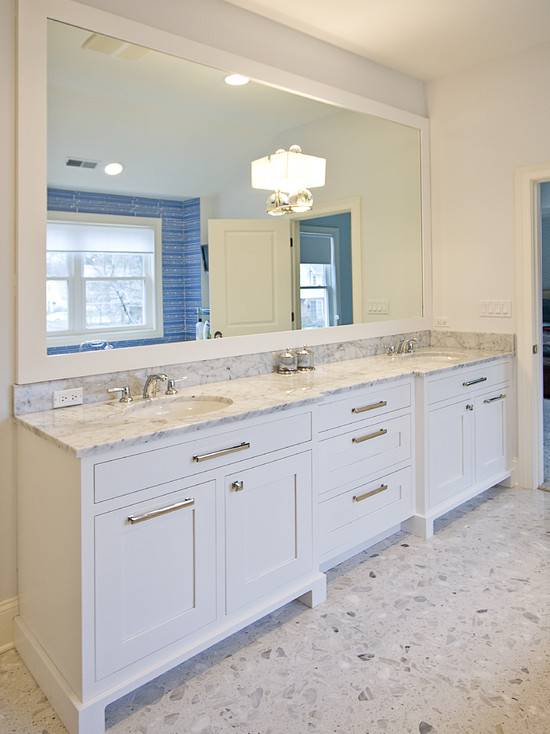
(318, 593)
(92, 720)
(422, 527)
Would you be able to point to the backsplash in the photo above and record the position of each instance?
(38, 396)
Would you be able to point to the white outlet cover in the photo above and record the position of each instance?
(65, 398)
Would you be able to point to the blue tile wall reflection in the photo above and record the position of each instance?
(181, 254)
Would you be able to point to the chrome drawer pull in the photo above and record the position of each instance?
(134, 519)
(372, 406)
(497, 397)
(371, 493)
(474, 382)
(368, 436)
(222, 452)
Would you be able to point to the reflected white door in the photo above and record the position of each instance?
(250, 270)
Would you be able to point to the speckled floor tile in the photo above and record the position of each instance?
(447, 636)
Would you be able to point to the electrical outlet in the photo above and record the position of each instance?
(64, 398)
(442, 322)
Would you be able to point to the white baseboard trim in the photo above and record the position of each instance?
(8, 610)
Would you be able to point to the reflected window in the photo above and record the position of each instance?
(103, 280)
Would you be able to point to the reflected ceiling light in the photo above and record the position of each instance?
(113, 169)
(236, 80)
(289, 174)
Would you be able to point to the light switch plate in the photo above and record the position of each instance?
(71, 396)
(495, 309)
(441, 322)
(378, 306)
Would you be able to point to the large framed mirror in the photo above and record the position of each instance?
(172, 210)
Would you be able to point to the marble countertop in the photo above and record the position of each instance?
(96, 427)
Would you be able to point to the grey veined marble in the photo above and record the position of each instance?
(87, 429)
(38, 396)
(450, 636)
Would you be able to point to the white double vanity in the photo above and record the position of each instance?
(146, 536)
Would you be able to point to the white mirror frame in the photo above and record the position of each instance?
(33, 363)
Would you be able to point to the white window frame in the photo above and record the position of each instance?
(154, 326)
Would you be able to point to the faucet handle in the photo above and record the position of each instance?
(171, 387)
(390, 349)
(125, 393)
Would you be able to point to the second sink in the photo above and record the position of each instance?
(177, 407)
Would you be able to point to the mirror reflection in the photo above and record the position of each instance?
(188, 203)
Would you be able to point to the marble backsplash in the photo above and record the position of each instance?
(39, 396)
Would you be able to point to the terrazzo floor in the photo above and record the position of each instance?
(449, 635)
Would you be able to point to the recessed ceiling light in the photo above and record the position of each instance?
(236, 80)
(113, 169)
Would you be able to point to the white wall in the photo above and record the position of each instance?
(208, 21)
(484, 125)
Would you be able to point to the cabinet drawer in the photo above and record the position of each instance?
(464, 382)
(364, 404)
(368, 449)
(361, 513)
(122, 476)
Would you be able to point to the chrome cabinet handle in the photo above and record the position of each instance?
(237, 486)
(370, 493)
(134, 519)
(368, 436)
(372, 406)
(497, 397)
(474, 382)
(222, 452)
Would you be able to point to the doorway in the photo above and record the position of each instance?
(544, 301)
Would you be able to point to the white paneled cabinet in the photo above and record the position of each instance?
(268, 528)
(155, 574)
(463, 422)
(133, 560)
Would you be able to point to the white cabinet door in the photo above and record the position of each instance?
(491, 438)
(155, 574)
(250, 270)
(269, 528)
(450, 451)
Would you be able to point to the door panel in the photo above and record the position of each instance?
(155, 578)
(250, 270)
(450, 451)
(269, 528)
(491, 453)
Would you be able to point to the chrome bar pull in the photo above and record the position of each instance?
(222, 452)
(135, 519)
(372, 406)
(369, 436)
(237, 486)
(370, 493)
(497, 397)
(474, 382)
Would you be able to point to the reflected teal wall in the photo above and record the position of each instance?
(343, 223)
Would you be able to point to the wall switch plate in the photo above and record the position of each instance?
(441, 322)
(71, 396)
(496, 309)
(378, 306)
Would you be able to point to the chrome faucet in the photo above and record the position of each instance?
(406, 346)
(150, 389)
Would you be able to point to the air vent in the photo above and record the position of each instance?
(80, 163)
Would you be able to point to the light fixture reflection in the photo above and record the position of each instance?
(289, 174)
(113, 169)
(236, 80)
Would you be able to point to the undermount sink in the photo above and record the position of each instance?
(436, 355)
(176, 407)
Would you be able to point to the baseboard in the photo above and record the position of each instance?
(8, 610)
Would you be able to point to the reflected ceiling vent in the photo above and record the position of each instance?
(73, 162)
(113, 47)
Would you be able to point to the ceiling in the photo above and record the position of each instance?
(423, 38)
(177, 127)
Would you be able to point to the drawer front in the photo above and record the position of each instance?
(361, 513)
(364, 404)
(130, 474)
(464, 382)
(364, 451)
